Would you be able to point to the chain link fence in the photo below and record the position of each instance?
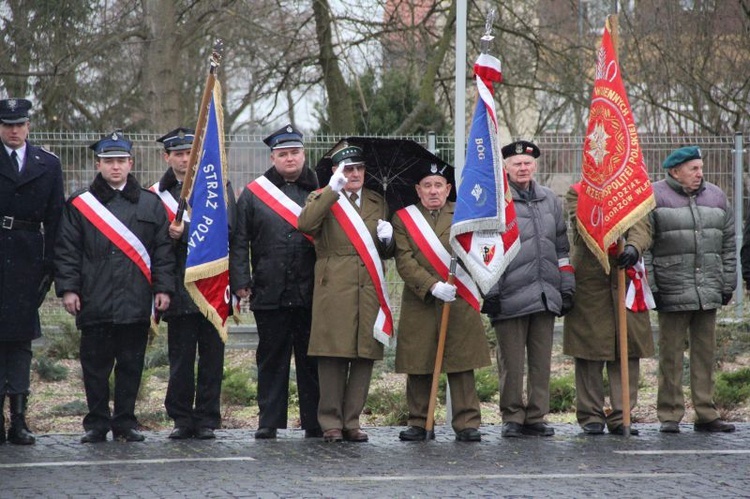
(248, 157)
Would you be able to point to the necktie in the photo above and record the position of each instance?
(14, 157)
(353, 198)
(434, 214)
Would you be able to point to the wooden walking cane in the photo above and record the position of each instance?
(622, 327)
(430, 423)
(208, 91)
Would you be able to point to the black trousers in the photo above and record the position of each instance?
(15, 367)
(187, 335)
(280, 333)
(104, 347)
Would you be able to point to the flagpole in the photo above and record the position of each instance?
(622, 317)
(187, 184)
(459, 128)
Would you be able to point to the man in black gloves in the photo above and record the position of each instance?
(537, 286)
(691, 269)
(591, 332)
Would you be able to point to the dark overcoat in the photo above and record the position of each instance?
(112, 288)
(591, 328)
(466, 345)
(345, 303)
(26, 256)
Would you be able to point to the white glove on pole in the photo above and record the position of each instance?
(444, 291)
(338, 180)
(385, 231)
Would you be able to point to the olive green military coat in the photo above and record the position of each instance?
(345, 303)
(590, 329)
(466, 345)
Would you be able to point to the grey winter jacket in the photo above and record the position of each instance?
(692, 260)
(538, 276)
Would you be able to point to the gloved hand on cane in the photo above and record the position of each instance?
(444, 291)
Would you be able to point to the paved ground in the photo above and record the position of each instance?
(235, 465)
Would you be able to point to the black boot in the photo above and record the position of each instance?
(2, 418)
(19, 433)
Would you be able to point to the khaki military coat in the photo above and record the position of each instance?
(590, 329)
(345, 303)
(466, 345)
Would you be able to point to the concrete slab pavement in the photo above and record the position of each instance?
(569, 464)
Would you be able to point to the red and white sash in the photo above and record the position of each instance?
(279, 202)
(429, 244)
(639, 297)
(360, 237)
(170, 203)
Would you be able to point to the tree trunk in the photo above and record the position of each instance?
(339, 107)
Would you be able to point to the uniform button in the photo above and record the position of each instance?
(288, 236)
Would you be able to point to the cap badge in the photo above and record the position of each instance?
(433, 168)
(181, 134)
(12, 104)
(519, 148)
(289, 129)
(114, 136)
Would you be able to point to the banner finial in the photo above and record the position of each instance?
(487, 38)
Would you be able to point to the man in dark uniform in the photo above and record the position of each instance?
(31, 199)
(188, 329)
(280, 286)
(114, 265)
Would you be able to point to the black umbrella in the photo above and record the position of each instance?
(393, 168)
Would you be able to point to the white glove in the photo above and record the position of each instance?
(385, 231)
(338, 180)
(444, 291)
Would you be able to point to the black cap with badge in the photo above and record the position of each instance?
(114, 145)
(14, 111)
(521, 147)
(178, 139)
(284, 137)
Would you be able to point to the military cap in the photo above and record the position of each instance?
(178, 139)
(284, 137)
(348, 155)
(114, 145)
(14, 111)
(682, 155)
(441, 169)
(521, 147)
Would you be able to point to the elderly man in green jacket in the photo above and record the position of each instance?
(691, 269)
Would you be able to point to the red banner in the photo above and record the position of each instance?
(615, 188)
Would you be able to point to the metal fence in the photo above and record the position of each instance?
(248, 157)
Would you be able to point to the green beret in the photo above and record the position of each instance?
(682, 155)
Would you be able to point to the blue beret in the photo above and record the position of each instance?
(348, 154)
(178, 139)
(14, 111)
(521, 147)
(284, 137)
(114, 145)
(682, 155)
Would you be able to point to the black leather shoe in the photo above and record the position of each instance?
(265, 433)
(619, 430)
(469, 435)
(313, 433)
(205, 433)
(593, 428)
(715, 426)
(670, 427)
(415, 434)
(94, 436)
(128, 435)
(181, 433)
(511, 429)
(538, 430)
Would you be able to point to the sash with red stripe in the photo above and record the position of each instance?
(356, 230)
(170, 203)
(279, 202)
(116, 231)
(428, 243)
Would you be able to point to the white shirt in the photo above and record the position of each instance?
(20, 152)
